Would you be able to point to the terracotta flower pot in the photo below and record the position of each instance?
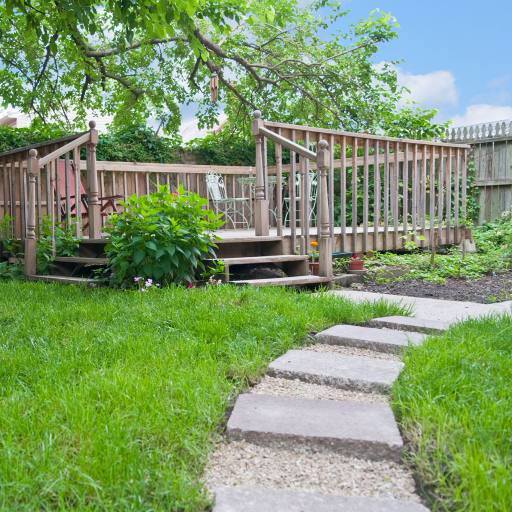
(355, 263)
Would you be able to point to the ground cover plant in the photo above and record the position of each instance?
(110, 400)
(494, 254)
(455, 408)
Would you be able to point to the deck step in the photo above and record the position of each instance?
(251, 260)
(65, 280)
(82, 260)
(359, 429)
(285, 281)
(348, 372)
(254, 499)
(380, 340)
(411, 323)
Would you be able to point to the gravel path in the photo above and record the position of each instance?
(240, 463)
(282, 464)
(351, 351)
(299, 389)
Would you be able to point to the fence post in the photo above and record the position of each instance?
(30, 235)
(261, 212)
(324, 233)
(94, 206)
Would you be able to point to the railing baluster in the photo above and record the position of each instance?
(30, 235)
(365, 194)
(323, 233)
(414, 190)
(94, 212)
(279, 186)
(78, 198)
(432, 195)
(292, 203)
(261, 216)
(448, 179)
(343, 193)
(405, 191)
(354, 195)
(331, 186)
(385, 212)
(376, 195)
(456, 201)
(395, 194)
(440, 194)
(306, 195)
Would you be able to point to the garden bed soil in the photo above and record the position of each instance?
(487, 289)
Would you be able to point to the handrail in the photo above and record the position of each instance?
(329, 131)
(64, 149)
(292, 146)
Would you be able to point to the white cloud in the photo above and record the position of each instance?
(429, 89)
(189, 129)
(483, 113)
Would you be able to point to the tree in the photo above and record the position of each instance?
(136, 59)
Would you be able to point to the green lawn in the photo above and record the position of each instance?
(111, 400)
(454, 402)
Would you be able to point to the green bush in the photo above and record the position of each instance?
(163, 237)
(66, 243)
(135, 144)
(12, 138)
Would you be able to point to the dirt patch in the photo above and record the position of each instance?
(487, 289)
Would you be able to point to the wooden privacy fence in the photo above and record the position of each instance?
(491, 156)
(381, 190)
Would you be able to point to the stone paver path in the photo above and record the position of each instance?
(317, 434)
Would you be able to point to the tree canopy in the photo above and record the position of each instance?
(146, 58)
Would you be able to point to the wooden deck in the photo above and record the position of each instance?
(345, 242)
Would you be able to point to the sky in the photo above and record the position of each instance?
(456, 54)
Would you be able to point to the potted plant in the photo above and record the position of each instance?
(313, 255)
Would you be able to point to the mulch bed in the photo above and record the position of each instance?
(487, 289)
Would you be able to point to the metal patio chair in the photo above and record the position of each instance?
(233, 208)
(312, 195)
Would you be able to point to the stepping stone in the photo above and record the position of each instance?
(347, 372)
(360, 429)
(249, 499)
(381, 340)
(411, 323)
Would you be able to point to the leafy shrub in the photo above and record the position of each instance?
(163, 237)
(66, 243)
(135, 144)
(12, 138)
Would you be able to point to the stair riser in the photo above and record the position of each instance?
(348, 384)
(350, 448)
(356, 343)
(247, 249)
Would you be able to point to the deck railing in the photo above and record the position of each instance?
(382, 191)
(374, 192)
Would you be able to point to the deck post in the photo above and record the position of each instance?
(261, 211)
(30, 234)
(94, 206)
(324, 232)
